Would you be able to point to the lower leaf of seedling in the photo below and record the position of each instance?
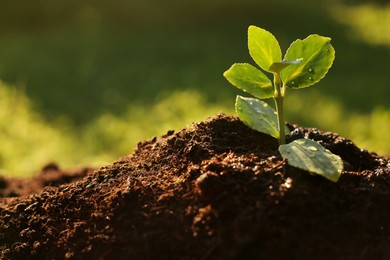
(310, 156)
(258, 115)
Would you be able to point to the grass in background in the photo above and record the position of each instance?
(28, 142)
(366, 130)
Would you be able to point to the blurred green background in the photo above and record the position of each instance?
(83, 81)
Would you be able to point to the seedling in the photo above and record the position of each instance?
(305, 63)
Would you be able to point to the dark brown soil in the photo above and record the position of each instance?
(50, 175)
(218, 190)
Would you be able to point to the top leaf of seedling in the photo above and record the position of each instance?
(263, 47)
(317, 56)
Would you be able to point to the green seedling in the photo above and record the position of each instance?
(305, 63)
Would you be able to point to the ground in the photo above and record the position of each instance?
(216, 190)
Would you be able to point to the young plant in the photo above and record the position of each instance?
(305, 63)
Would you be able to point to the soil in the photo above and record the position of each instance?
(216, 190)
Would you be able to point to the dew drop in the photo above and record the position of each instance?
(310, 78)
(311, 70)
(312, 148)
(301, 142)
(288, 183)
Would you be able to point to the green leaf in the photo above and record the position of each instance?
(263, 47)
(258, 115)
(310, 156)
(250, 79)
(317, 54)
(277, 67)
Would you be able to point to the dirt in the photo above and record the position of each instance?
(216, 190)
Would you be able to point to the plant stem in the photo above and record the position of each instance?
(279, 94)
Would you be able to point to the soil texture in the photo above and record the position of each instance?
(215, 190)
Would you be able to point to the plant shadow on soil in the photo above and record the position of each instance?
(217, 190)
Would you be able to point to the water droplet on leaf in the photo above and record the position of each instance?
(288, 183)
(312, 148)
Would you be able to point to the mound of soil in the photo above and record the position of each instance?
(50, 175)
(218, 190)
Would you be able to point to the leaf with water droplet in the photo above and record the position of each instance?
(258, 115)
(310, 156)
(318, 55)
(250, 79)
